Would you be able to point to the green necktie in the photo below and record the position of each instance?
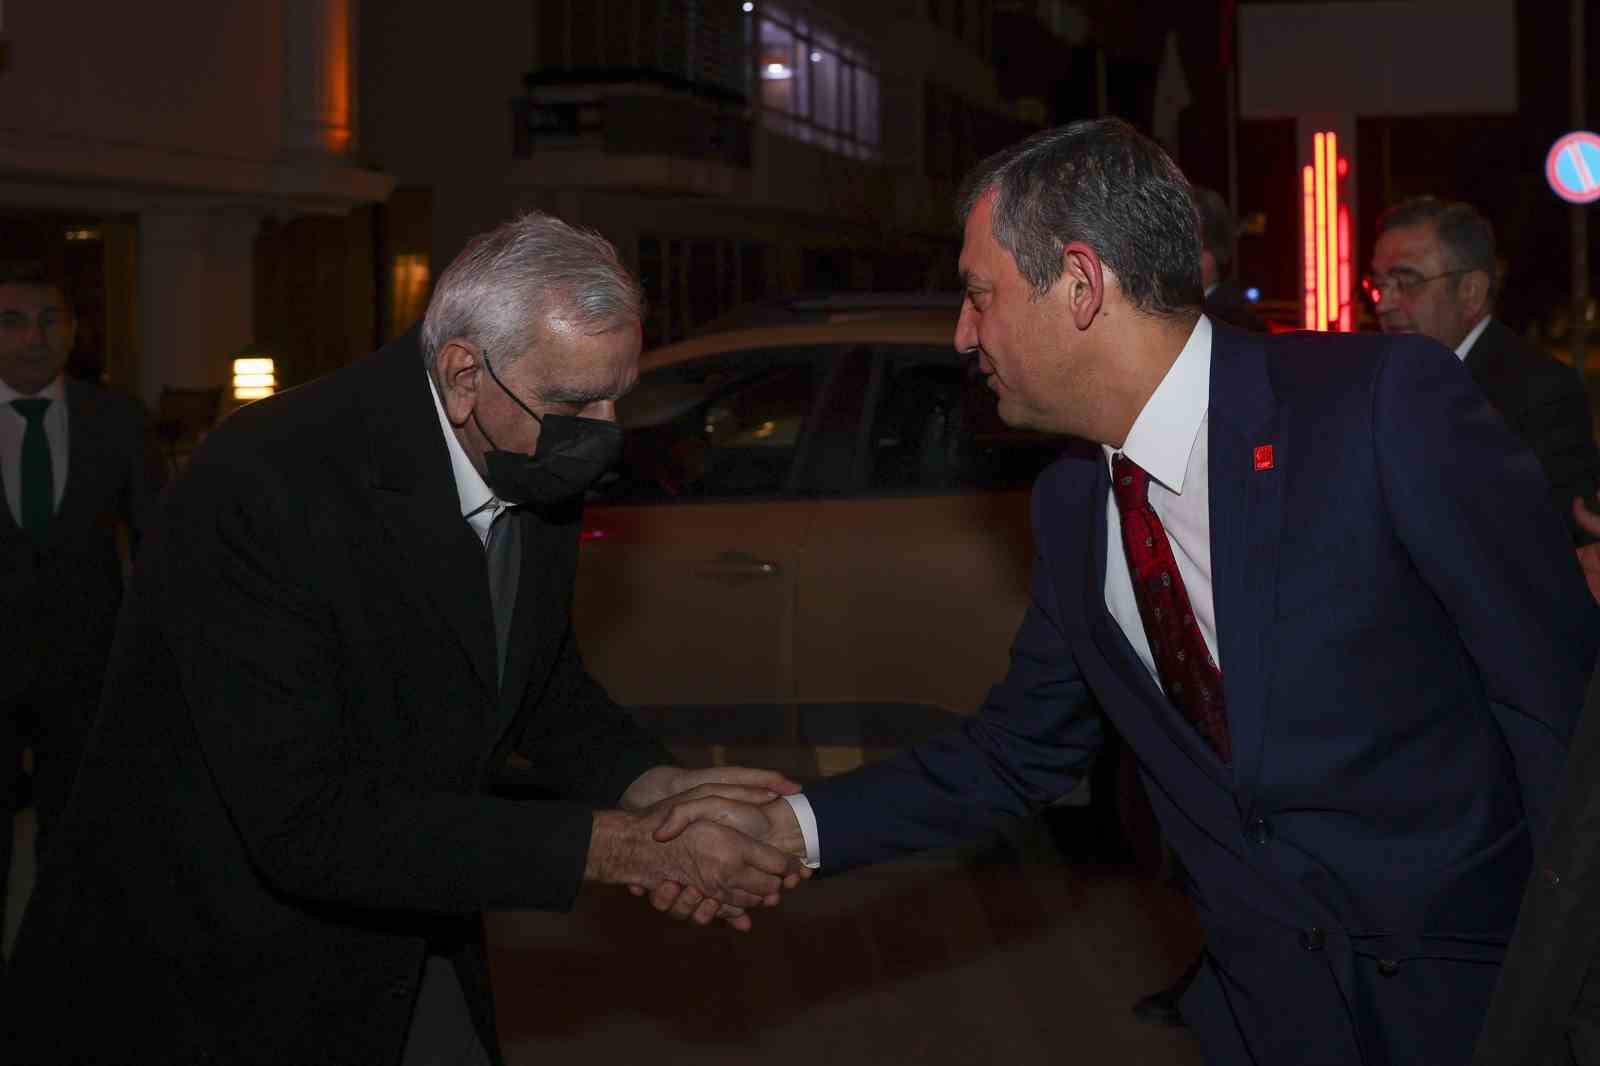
(38, 480)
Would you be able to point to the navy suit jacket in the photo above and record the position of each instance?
(1404, 637)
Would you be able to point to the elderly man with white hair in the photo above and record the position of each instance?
(346, 713)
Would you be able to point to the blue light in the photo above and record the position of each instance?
(1252, 294)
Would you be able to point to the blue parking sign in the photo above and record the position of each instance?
(1573, 167)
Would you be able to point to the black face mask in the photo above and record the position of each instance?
(571, 455)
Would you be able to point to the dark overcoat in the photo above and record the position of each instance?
(293, 791)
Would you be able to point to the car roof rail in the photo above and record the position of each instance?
(824, 306)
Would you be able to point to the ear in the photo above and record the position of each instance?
(457, 371)
(1084, 277)
(1473, 292)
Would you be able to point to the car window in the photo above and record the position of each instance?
(725, 426)
(935, 429)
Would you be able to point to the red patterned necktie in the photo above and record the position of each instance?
(1188, 674)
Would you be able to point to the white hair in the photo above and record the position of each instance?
(507, 282)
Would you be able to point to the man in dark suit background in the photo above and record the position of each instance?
(1434, 273)
(1546, 1006)
(78, 464)
(1225, 300)
(345, 712)
(1285, 574)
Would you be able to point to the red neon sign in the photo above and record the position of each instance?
(1326, 222)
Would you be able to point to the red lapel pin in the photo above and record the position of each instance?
(1263, 455)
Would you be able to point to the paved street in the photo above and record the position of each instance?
(939, 960)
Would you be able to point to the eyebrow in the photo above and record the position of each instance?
(612, 391)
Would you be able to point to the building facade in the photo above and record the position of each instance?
(172, 180)
(731, 150)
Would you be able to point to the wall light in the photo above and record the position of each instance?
(254, 377)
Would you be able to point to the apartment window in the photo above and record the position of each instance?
(812, 83)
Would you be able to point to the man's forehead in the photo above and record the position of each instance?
(1404, 244)
(27, 296)
(579, 358)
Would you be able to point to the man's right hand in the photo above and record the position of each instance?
(773, 822)
(728, 870)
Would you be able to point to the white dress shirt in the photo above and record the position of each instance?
(479, 505)
(1168, 440)
(12, 428)
(1472, 338)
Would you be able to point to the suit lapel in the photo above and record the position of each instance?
(536, 593)
(91, 459)
(421, 509)
(1246, 527)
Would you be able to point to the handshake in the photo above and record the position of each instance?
(702, 844)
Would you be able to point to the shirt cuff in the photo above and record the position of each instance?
(808, 828)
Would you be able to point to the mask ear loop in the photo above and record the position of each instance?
(514, 399)
(490, 368)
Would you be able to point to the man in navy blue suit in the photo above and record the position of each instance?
(1283, 565)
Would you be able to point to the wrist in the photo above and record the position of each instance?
(606, 862)
(786, 834)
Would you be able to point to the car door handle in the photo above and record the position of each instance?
(737, 568)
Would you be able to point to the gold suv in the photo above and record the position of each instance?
(817, 538)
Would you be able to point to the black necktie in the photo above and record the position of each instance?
(37, 480)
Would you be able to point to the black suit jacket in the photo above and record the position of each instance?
(1546, 1006)
(62, 589)
(1544, 403)
(291, 793)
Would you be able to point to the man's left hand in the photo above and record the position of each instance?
(743, 783)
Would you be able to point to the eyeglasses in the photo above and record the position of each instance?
(1403, 282)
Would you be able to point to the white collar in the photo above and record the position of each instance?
(479, 505)
(56, 390)
(1164, 433)
(1472, 338)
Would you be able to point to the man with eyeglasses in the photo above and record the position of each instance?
(1433, 272)
(77, 461)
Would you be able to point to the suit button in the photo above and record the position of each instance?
(1388, 967)
(1312, 939)
(1259, 832)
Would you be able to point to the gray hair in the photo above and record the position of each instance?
(1464, 234)
(507, 282)
(1101, 182)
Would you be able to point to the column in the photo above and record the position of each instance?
(196, 297)
(319, 63)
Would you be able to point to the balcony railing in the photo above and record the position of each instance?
(630, 112)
